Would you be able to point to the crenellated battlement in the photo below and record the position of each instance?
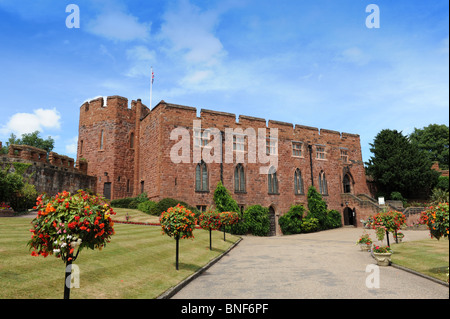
(231, 120)
(37, 155)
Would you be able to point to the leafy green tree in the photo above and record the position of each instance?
(30, 139)
(223, 200)
(400, 166)
(434, 140)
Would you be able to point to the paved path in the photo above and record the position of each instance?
(322, 265)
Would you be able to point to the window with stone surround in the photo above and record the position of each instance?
(271, 146)
(272, 181)
(323, 185)
(298, 182)
(297, 148)
(320, 152)
(239, 179)
(201, 139)
(344, 155)
(238, 142)
(201, 177)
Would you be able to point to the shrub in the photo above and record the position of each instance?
(291, 222)
(240, 228)
(223, 200)
(257, 220)
(122, 202)
(443, 183)
(398, 196)
(25, 198)
(333, 219)
(310, 225)
(148, 207)
(317, 207)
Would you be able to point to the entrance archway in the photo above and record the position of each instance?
(349, 217)
(272, 231)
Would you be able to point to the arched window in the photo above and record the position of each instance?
(201, 177)
(272, 181)
(239, 179)
(298, 182)
(347, 184)
(323, 187)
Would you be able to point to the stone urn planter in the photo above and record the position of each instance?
(383, 259)
(382, 255)
(365, 247)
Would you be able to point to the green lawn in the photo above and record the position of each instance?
(138, 263)
(429, 256)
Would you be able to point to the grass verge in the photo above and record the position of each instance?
(138, 263)
(429, 257)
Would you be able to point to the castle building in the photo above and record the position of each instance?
(170, 151)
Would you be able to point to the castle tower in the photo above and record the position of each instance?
(107, 141)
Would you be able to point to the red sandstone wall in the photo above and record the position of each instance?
(162, 178)
(114, 163)
(149, 167)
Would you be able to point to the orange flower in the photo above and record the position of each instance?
(49, 208)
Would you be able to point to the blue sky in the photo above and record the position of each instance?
(308, 62)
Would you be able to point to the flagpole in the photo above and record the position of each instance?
(151, 87)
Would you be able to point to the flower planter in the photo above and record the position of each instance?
(365, 247)
(383, 259)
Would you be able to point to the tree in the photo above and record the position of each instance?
(223, 200)
(400, 166)
(434, 140)
(30, 139)
(66, 224)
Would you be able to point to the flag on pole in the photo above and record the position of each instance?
(153, 76)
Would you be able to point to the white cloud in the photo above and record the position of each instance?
(141, 59)
(71, 146)
(39, 120)
(355, 56)
(119, 26)
(191, 32)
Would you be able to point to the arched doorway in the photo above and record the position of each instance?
(349, 217)
(272, 231)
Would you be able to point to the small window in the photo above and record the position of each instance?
(201, 177)
(323, 187)
(238, 142)
(297, 149)
(320, 152)
(272, 181)
(344, 156)
(101, 139)
(298, 182)
(132, 140)
(271, 146)
(239, 179)
(201, 139)
(81, 148)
